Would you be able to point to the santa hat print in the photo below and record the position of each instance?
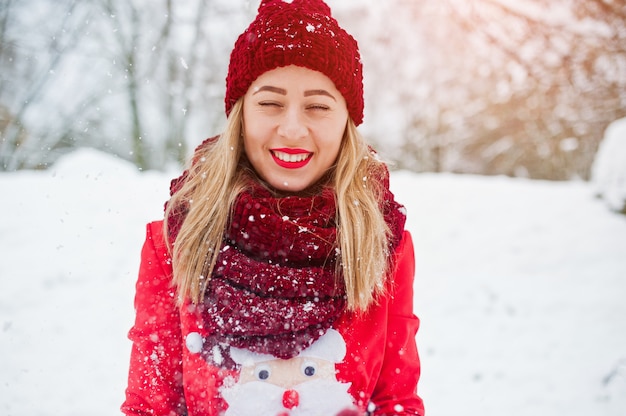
(301, 33)
(329, 347)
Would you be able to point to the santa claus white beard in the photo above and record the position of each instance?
(317, 398)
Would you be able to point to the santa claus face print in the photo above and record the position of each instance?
(316, 398)
(304, 385)
(294, 120)
(288, 373)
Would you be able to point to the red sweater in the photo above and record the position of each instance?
(377, 362)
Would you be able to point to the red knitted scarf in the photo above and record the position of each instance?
(275, 288)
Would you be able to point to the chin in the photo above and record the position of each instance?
(295, 186)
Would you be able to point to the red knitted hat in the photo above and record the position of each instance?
(302, 33)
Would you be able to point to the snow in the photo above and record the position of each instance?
(520, 287)
(609, 167)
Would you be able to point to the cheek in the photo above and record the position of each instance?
(256, 134)
(255, 118)
(246, 375)
(252, 142)
(337, 132)
(333, 146)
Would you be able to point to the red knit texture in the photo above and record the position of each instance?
(301, 33)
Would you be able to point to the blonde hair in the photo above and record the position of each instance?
(362, 237)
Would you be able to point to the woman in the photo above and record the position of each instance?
(280, 281)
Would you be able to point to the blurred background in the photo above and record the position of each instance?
(521, 88)
(520, 284)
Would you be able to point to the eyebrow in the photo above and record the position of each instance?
(283, 91)
(277, 90)
(319, 92)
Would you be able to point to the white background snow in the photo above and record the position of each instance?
(520, 285)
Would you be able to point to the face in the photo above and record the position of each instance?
(289, 373)
(294, 120)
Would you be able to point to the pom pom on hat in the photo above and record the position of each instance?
(301, 33)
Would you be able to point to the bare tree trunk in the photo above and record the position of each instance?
(16, 146)
(139, 148)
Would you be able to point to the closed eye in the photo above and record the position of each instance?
(269, 104)
(318, 107)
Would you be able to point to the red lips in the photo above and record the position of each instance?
(291, 158)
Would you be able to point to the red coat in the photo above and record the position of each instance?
(381, 361)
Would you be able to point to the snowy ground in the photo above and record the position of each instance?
(521, 288)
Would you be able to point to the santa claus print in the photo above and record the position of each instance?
(304, 385)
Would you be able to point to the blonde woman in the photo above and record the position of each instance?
(280, 281)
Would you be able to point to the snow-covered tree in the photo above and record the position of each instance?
(609, 167)
(522, 88)
(141, 79)
(515, 87)
(41, 83)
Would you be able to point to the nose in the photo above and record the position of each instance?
(291, 399)
(292, 126)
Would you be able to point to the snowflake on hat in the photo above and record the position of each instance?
(303, 385)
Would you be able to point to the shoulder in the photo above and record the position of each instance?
(405, 246)
(154, 290)
(154, 233)
(155, 246)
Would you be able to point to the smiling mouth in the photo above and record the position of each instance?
(291, 160)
